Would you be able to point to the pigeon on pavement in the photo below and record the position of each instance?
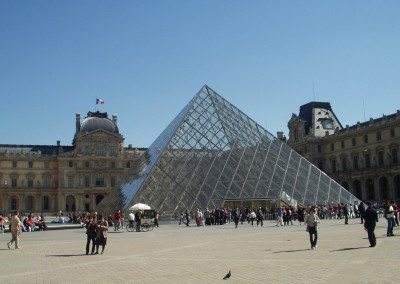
(227, 276)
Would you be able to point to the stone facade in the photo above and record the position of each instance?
(363, 158)
(49, 178)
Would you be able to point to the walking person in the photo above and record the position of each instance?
(370, 218)
(312, 221)
(101, 234)
(361, 210)
(389, 211)
(156, 219)
(181, 218)
(187, 217)
(236, 216)
(91, 229)
(300, 214)
(15, 223)
(138, 219)
(345, 210)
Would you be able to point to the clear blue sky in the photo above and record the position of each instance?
(147, 59)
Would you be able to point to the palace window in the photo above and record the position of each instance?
(378, 136)
(333, 165)
(113, 165)
(394, 156)
(46, 181)
(45, 203)
(380, 158)
(46, 165)
(344, 164)
(70, 181)
(128, 165)
(112, 149)
(392, 133)
(366, 138)
(99, 150)
(319, 149)
(30, 182)
(332, 146)
(87, 181)
(13, 203)
(355, 162)
(99, 180)
(30, 164)
(86, 150)
(87, 164)
(70, 164)
(14, 182)
(14, 164)
(342, 144)
(353, 142)
(367, 161)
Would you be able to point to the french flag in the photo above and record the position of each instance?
(100, 101)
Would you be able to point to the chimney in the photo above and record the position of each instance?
(280, 136)
(114, 119)
(78, 122)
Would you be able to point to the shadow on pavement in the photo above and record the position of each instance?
(345, 249)
(293, 250)
(65, 255)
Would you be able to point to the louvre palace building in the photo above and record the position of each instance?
(49, 178)
(363, 158)
(211, 154)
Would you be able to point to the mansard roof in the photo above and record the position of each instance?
(34, 150)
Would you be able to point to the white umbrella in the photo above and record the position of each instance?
(139, 206)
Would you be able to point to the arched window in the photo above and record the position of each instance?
(396, 184)
(70, 203)
(384, 188)
(29, 203)
(13, 203)
(370, 189)
(128, 165)
(357, 189)
(45, 203)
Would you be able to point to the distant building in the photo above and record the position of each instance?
(48, 178)
(363, 158)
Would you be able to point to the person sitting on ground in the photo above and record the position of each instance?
(30, 224)
(42, 223)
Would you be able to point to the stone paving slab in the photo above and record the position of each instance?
(175, 254)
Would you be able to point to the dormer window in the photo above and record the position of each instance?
(327, 124)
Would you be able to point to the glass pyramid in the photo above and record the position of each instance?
(213, 152)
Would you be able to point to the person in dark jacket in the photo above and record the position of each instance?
(361, 210)
(91, 235)
(370, 218)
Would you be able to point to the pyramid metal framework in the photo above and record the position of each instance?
(212, 152)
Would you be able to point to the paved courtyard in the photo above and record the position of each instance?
(174, 254)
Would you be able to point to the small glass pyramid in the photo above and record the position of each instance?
(213, 152)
